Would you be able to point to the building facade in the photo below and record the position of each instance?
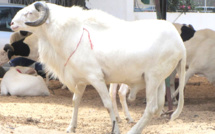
(59, 2)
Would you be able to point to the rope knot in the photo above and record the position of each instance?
(91, 44)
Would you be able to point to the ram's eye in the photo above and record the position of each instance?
(28, 13)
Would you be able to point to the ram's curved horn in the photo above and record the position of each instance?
(44, 14)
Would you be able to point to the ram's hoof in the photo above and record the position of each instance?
(70, 129)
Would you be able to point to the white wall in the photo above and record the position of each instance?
(198, 20)
(3, 1)
(124, 9)
(114, 7)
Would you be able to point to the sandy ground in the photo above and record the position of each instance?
(52, 114)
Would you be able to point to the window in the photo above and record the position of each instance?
(206, 6)
(5, 18)
(144, 6)
(6, 15)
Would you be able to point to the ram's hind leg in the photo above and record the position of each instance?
(113, 92)
(161, 98)
(152, 108)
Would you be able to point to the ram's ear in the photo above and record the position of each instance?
(10, 50)
(191, 26)
(8, 47)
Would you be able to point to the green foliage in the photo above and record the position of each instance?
(172, 5)
(180, 5)
(186, 5)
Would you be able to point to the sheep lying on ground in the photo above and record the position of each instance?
(23, 51)
(96, 48)
(22, 81)
(16, 36)
(26, 47)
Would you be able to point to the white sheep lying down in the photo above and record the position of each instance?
(91, 47)
(22, 81)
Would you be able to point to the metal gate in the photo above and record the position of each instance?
(25, 2)
(59, 2)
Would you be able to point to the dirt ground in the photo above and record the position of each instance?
(52, 114)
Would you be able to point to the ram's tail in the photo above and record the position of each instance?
(181, 73)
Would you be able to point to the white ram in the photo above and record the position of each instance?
(91, 47)
(20, 81)
(186, 32)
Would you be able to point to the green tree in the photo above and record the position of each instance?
(172, 5)
(181, 5)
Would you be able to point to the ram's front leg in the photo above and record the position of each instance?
(76, 102)
(101, 88)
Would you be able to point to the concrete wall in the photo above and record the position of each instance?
(198, 20)
(117, 8)
(124, 9)
(3, 1)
